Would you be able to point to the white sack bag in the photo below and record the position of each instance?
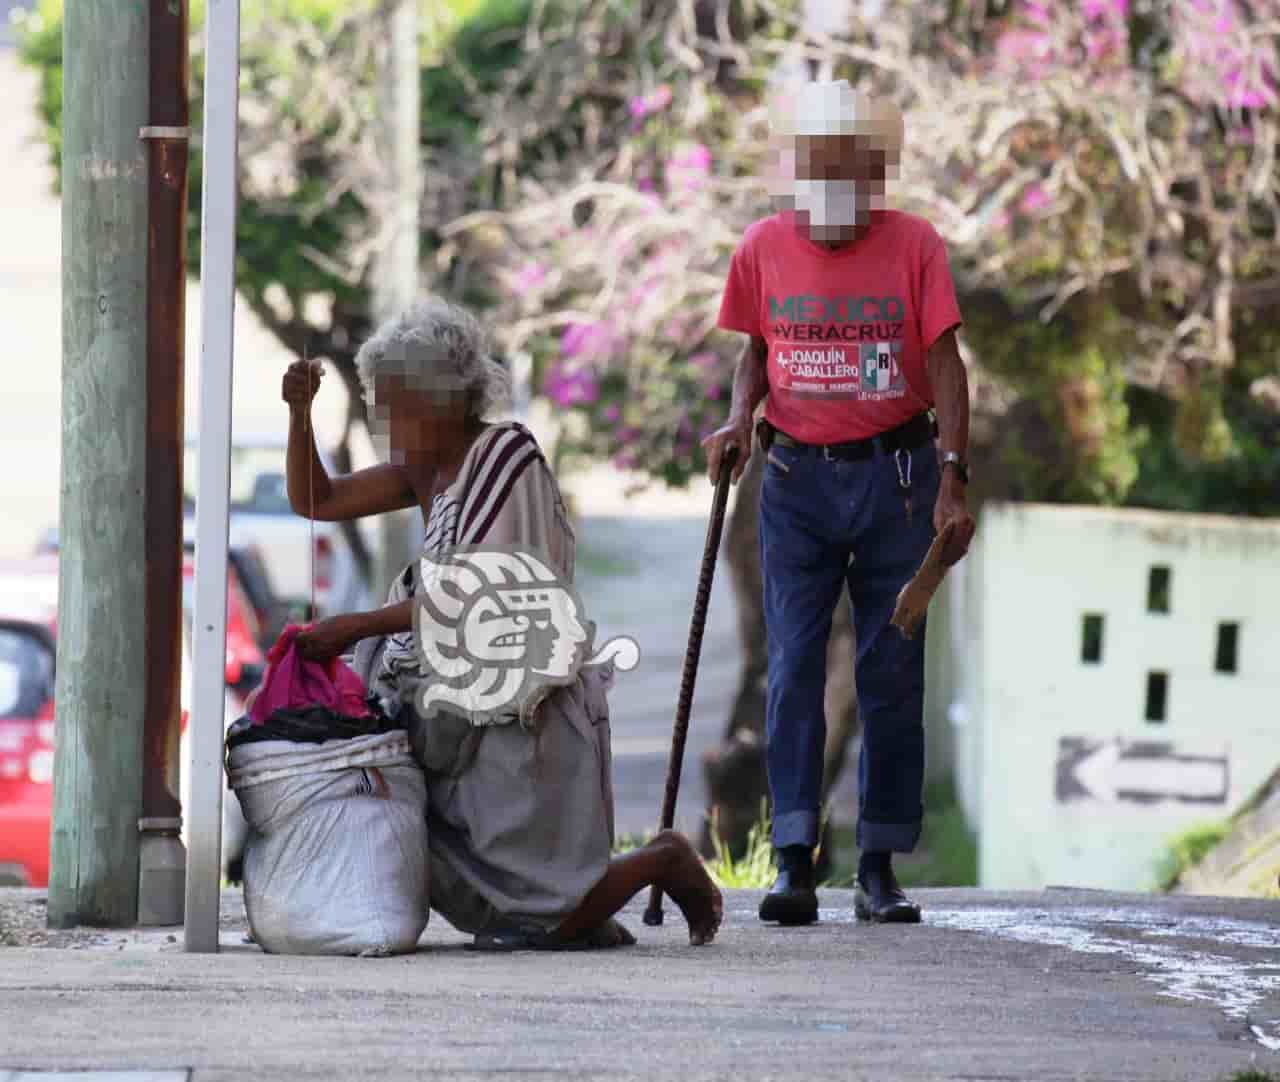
(336, 858)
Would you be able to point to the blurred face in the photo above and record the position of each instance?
(420, 426)
(838, 179)
(840, 157)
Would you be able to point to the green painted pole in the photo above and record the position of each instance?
(101, 680)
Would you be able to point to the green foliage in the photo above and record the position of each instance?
(1077, 445)
(481, 50)
(947, 855)
(1187, 849)
(510, 130)
(292, 232)
(756, 869)
(40, 46)
(950, 848)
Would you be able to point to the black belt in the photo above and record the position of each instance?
(906, 437)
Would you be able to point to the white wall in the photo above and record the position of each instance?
(1099, 813)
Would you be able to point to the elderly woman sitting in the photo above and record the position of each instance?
(520, 803)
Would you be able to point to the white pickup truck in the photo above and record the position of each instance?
(262, 518)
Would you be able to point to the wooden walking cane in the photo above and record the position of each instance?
(653, 915)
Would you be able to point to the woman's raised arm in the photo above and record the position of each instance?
(312, 492)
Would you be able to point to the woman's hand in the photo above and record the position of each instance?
(301, 382)
(329, 638)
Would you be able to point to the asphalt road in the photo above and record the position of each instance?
(638, 578)
(1046, 987)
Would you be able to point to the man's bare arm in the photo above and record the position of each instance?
(750, 385)
(950, 385)
(751, 381)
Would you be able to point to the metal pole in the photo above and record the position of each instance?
(397, 276)
(162, 866)
(101, 599)
(209, 635)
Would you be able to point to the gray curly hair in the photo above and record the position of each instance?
(436, 346)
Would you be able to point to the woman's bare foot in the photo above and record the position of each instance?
(690, 887)
(611, 934)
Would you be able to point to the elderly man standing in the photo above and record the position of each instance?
(852, 317)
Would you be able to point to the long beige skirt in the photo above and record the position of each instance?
(520, 823)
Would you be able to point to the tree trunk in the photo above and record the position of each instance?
(737, 783)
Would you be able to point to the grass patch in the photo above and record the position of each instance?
(947, 855)
(629, 843)
(756, 869)
(1252, 1075)
(1187, 849)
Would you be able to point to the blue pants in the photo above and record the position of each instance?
(824, 524)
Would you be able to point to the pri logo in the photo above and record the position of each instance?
(880, 369)
(494, 622)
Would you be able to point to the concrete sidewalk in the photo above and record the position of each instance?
(1048, 986)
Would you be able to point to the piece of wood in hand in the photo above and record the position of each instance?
(913, 600)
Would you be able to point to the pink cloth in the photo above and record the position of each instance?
(292, 682)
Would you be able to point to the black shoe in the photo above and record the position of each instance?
(879, 898)
(792, 900)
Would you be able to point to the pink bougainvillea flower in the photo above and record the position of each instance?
(642, 106)
(695, 157)
(585, 340)
(1035, 198)
(572, 338)
(553, 383)
(586, 390)
(645, 184)
(1038, 12)
(1102, 43)
(570, 388)
(689, 167)
(624, 460)
(1028, 52)
(612, 413)
(706, 359)
(529, 277)
(715, 391)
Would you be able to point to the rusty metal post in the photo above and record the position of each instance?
(162, 867)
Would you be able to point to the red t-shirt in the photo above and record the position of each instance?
(848, 329)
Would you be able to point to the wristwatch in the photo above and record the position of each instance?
(950, 458)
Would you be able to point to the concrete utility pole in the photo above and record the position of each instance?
(162, 861)
(101, 680)
(396, 272)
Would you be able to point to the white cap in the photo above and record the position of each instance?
(835, 108)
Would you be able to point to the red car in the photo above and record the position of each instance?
(28, 638)
(245, 659)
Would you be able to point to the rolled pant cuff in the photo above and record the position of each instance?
(795, 828)
(887, 837)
